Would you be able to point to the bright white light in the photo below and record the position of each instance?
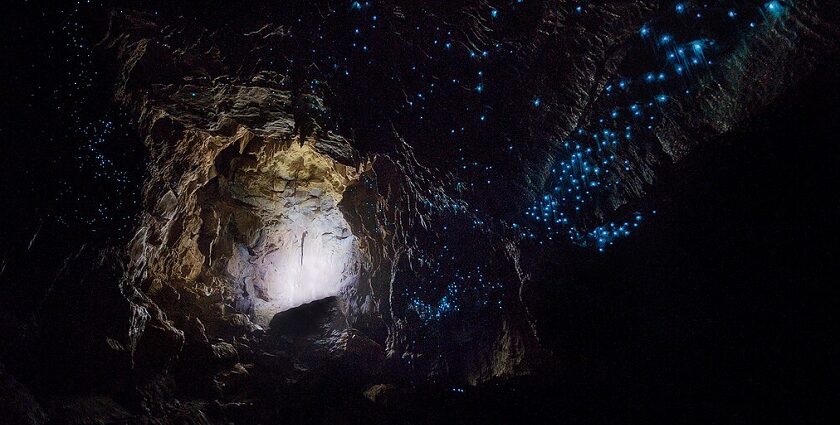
(314, 260)
(295, 245)
(306, 254)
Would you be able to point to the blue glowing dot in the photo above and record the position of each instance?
(356, 5)
(536, 102)
(732, 14)
(494, 13)
(644, 31)
(680, 8)
(774, 7)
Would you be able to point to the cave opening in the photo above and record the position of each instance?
(290, 242)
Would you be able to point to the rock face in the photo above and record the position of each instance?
(291, 244)
(258, 201)
(253, 207)
(246, 211)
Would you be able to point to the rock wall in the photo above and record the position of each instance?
(255, 169)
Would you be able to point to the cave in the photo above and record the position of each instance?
(292, 243)
(415, 212)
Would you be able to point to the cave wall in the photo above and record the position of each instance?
(428, 274)
(220, 124)
(238, 163)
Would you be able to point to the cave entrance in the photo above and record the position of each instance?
(292, 243)
(309, 254)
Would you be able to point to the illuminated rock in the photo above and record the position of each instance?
(301, 248)
(260, 200)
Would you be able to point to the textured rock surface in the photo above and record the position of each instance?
(245, 169)
(244, 176)
(301, 234)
